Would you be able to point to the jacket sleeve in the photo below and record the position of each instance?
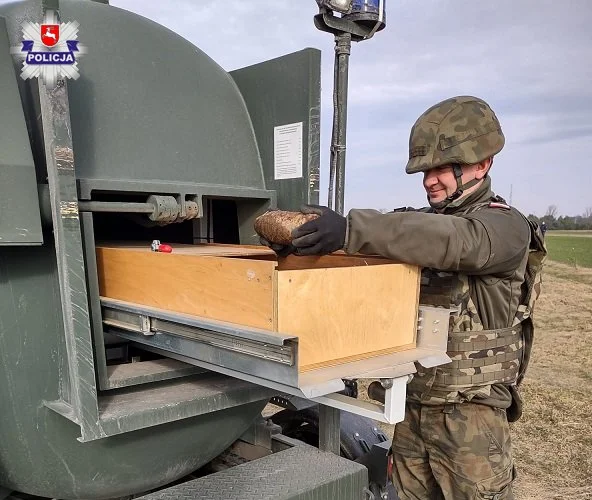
(489, 241)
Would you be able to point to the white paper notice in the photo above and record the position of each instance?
(287, 151)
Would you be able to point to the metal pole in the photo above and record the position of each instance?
(117, 207)
(333, 157)
(329, 429)
(338, 140)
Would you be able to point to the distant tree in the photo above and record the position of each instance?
(564, 222)
(552, 211)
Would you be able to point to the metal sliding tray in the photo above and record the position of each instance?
(270, 359)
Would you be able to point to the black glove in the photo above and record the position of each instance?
(280, 250)
(320, 236)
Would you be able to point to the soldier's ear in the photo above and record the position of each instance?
(482, 168)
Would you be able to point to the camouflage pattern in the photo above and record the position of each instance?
(453, 452)
(480, 358)
(487, 357)
(461, 130)
(533, 283)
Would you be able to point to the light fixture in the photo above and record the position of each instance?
(341, 6)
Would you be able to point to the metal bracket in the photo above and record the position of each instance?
(337, 25)
(391, 412)
(432, 334)
(261, 433)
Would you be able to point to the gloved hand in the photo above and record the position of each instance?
(280, 250)
(320, 236)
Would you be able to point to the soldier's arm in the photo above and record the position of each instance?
(489, 241)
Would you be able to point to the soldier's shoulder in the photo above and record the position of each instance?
(502, 218)
(495, 202)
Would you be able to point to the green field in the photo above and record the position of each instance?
(570, 247)
(584, 233)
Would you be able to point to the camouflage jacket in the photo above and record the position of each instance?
(477, 250)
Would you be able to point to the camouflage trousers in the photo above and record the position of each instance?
(453, 452)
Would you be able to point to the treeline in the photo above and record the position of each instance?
(565, 222)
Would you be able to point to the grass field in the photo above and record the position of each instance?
(570, 233)
(573, 248)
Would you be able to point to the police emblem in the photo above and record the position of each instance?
(50, 50)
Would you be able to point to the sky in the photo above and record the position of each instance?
(531, 60)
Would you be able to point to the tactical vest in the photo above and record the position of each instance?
(480, 358)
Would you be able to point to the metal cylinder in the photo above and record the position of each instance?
(115, 207)
(376, 391)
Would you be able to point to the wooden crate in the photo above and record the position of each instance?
(342, 308)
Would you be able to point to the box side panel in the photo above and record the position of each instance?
(227, 289)
(346, 314)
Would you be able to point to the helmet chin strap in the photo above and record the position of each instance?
(460, 189)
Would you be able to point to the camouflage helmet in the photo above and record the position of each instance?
(460, 130)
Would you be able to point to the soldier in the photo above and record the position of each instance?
(484, 257)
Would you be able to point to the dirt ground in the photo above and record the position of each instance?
(552, 442)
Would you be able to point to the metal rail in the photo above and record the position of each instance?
(146, 325)
(269, 359)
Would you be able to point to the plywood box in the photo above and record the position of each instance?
(342, 308)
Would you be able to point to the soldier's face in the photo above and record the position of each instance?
(439, 183)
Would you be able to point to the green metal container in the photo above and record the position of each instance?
(150, 112)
